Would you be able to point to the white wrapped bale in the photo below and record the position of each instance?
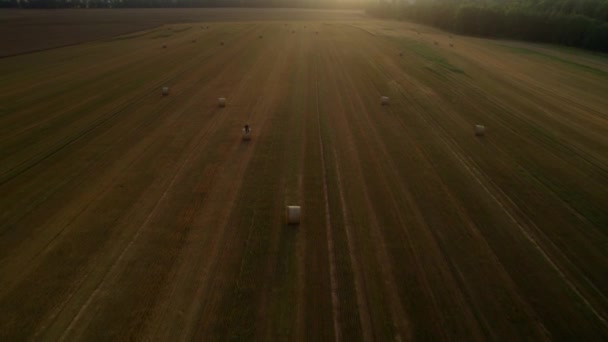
(221, 102)
(480, 130)
(384, 100)
(165, 91)
(293, 214)
(246, 134)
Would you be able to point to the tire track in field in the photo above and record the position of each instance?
(346, 84)
(543, 237)
(359, 279)
(265, 297)
(107, 161)
(538, 182)
(397, 311)
(113, 268)
(503, 125)
(210, 128)
(506, 204)
(25, 166)
(474, 170)
(80, 283)
(126, 106)
(398, 315)
(211, 216)
(114, 65)
(330, 242)
(503, 104)
(456, 274)
(286, 299)
(395, 187)
(302, 78)
(400, 323)
(589, 159)
(208, 315)
(70, 180)
(197, 313)
(182, 168)
(469, 294)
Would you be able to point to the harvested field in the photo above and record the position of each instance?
(34, 30)
(126, 214)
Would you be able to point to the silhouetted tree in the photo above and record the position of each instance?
(580, 23)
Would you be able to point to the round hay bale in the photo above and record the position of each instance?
(164, 46)
(480, 130)
(165, 91)
(246, 134)
(293, 213)
(384, 100)
(221, 102)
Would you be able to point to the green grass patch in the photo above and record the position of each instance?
(168, 33)
(130, 36)
(162, 35)
(564, 62)
(438, 63)
(575, 198)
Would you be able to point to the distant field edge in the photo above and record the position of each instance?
(34, 30)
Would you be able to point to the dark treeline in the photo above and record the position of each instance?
(173, 3)
(580, 23)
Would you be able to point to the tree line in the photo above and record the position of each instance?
(579, 23)
(171, 3)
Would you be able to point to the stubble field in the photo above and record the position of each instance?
(128, 215)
